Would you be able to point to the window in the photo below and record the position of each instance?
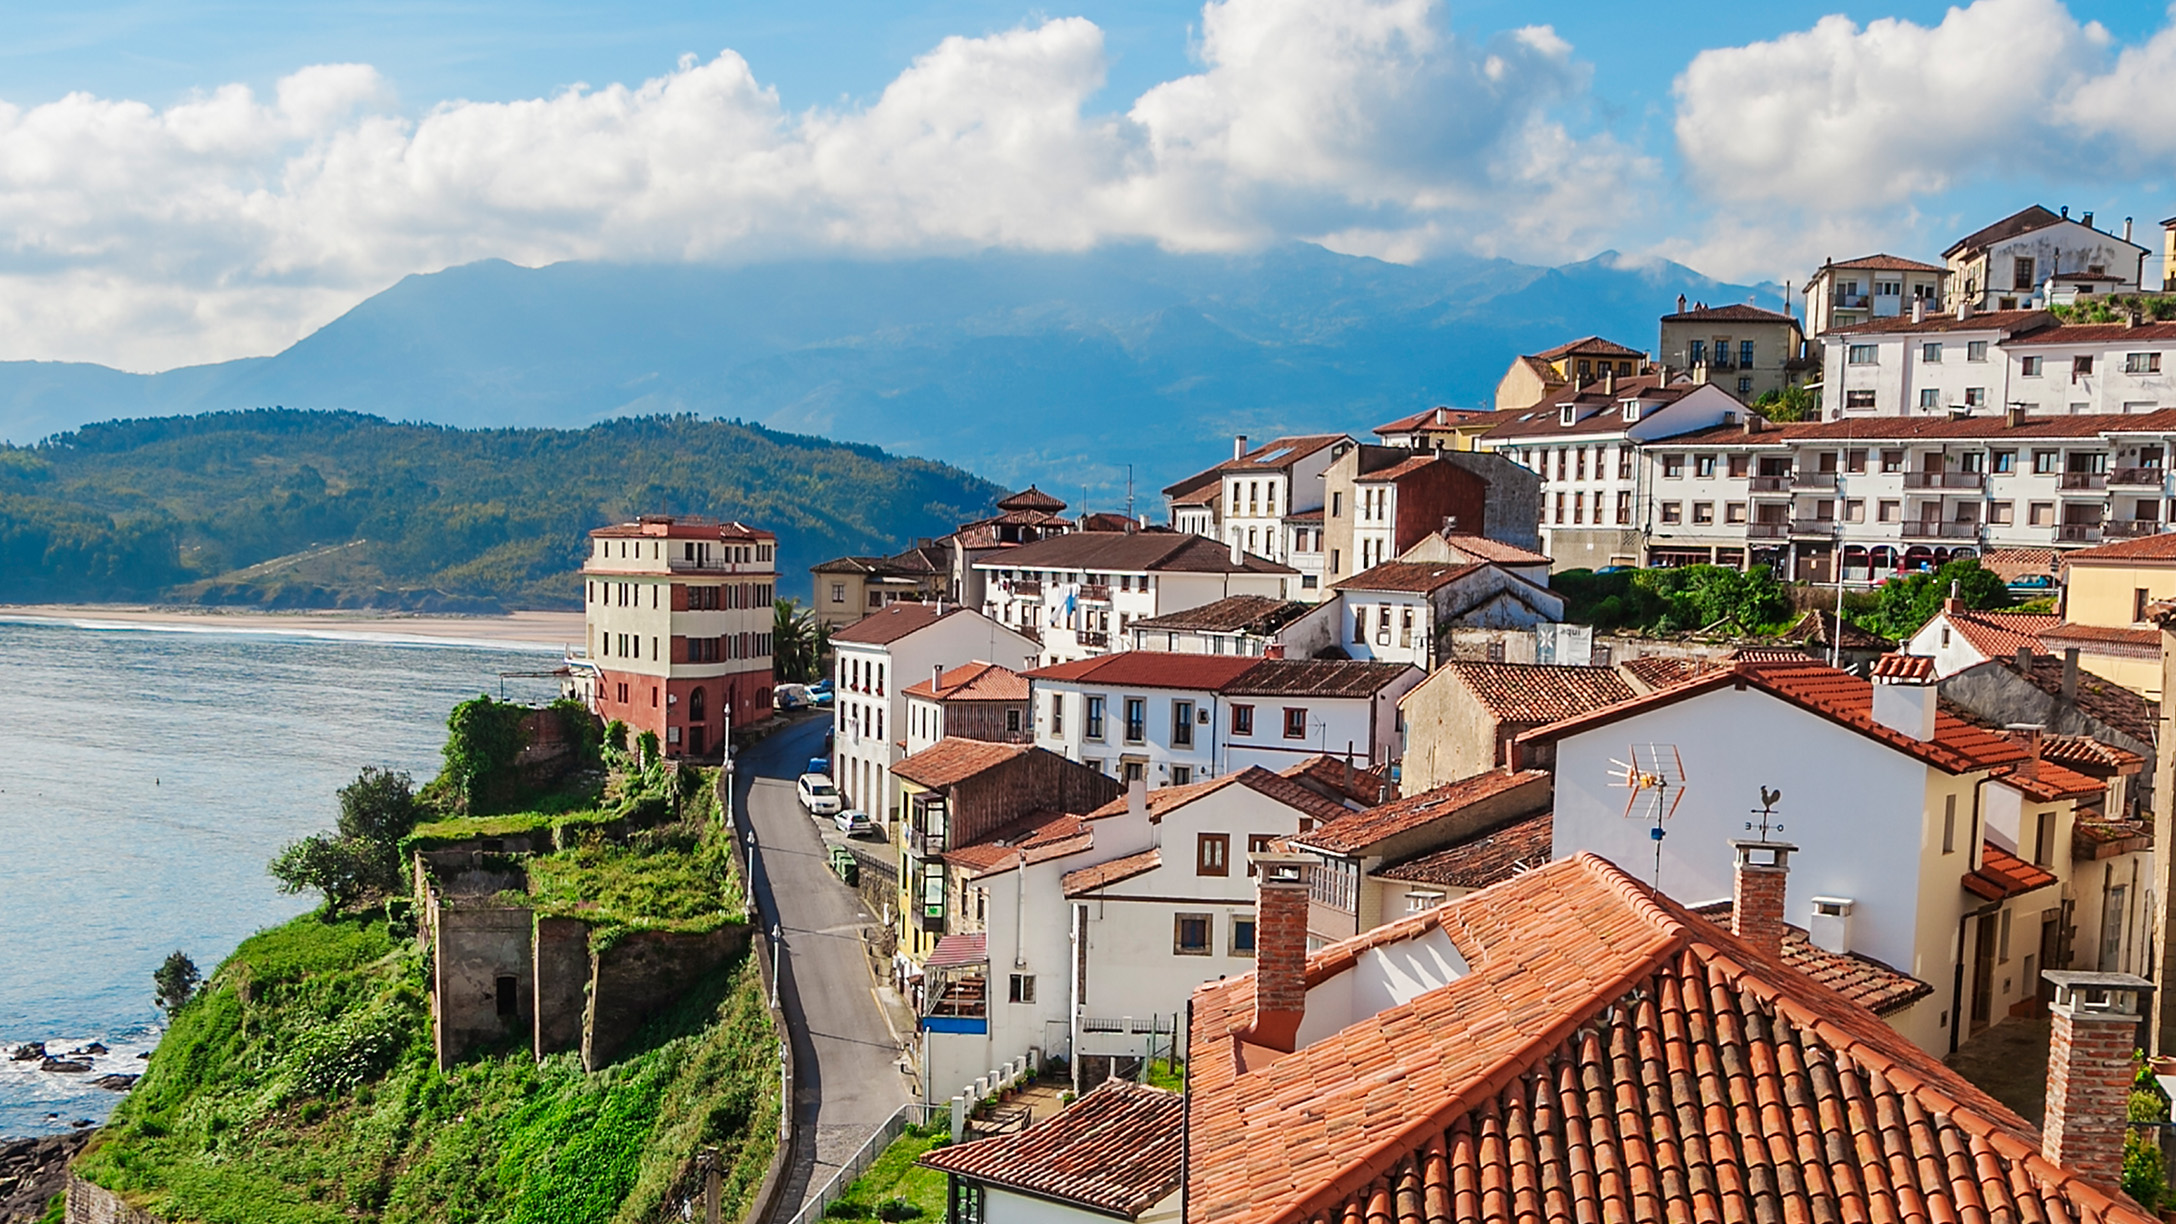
(1242, 720)
(1855, 460)
(1930, 398)
(1182, 724)
(1855, 510)
(1022, 989)
(2142, 363)
(1337, 505)
(1094, 730)
(1673, 466)
(1888, 511)
(505, 989)
(2046, 462)
(1949, 824)
(1931, 353)
(2002, 942)
(1566, 414)
(1734, 512)
(2005, 462)
(1295, 722)
(1858, 399)
(2080, 367)
(1057, 713)
(1131, 772)
(1745, 386)
(2021, 272)
(1136, 719)
(1190, 934)
(1975, 350)
(2140, 597)
(1560, 507)
(1579, 463)
(2001, 514)
(1740, 466)
(1825, 510)
(1673, 512)
(2029, 367)
(1861, 354)
(1182, 775)
(1696, 352)
(1703, 466)
(1624, 509)
(838, 592)
(1242, 936)
(1703, 512)
(1012, 722)
(1745, 357)
(2042, 514)
(1975, 397)
(1422, 902)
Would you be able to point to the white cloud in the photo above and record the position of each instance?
(226, 225)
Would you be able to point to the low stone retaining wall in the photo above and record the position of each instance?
(89, 1204)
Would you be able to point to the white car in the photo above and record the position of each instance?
(818, 795)
(854, 822)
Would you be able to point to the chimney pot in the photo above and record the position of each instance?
(1239, 554)
(1280, 949)
(1905, 704)
(1919, 310)
(2030, 735)
(1681, 303)
(2126, 229)
(2015, 415)
(1239, 446)
(2091, 1041)
(1758, 883)
(1964, 309)
(2087, 221)
(2024, 658)
(936, 679)
(2070, 675)
(1830, 927)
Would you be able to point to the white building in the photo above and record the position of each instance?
(1399, 611)
(2010, 265)
(1079, 594)
(1920, 841)
(1175, 719)
(1115, 1154)
(1243, 625)
(876, 659)
(1871, 287)
(1257, 491)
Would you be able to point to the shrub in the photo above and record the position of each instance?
(847, 1209)
(174, 982)
(895, 1210)
(2145, 1175)
(1905, 604)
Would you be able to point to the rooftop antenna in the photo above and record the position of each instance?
(1654, 774)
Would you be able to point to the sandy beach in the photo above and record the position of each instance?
(532, 630)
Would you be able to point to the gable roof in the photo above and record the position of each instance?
(1412, 577)
(1255, 614)
(1255, 778)
(1588, 404)
(2158, 547)
(2109, 703)
(2023, 221)
(1736, 312)
(952, 760)
(1150, 669)
(1326, 678)
(1590, 345)
(1490, 858)
(1089, 879)
(2008, 322)
(1842, 698)
(1355, 831)
(1131, 552)
(1879, 988)
(2000, 634)
(1481, 548)
(1885, 263)
(1115, 1151)
(2002, 875)
(1662, 671)
(1538, 692)
(1608, 1055)
(1030, 498)
(892, 622)
(1339, 779)
(976, 681)
(1036, 837)
(1433, 418)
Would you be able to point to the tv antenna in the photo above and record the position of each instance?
(1654, 776)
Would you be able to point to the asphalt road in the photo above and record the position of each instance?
(846, 1054)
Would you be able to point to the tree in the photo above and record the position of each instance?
(174, 982)
(796, 642)
(1904, 604)
(339, 868)
(362, 856)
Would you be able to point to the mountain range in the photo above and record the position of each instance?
(1058, 368)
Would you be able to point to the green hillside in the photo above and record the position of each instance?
(284, 508)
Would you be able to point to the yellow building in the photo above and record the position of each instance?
(1536, 376)
(2105, 593)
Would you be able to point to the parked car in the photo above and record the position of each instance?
(2032, 586)
(790, 697)
(818, 795)
(854, 822)
(819, 693)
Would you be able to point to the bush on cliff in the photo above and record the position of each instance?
(361, 858)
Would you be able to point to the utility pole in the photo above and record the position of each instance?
(1129, 491)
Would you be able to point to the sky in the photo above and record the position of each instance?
(192, 181)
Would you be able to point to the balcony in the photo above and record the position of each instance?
(1772, 484)
(1027, 588)
(2078, 533)
(1851, 301)
(2138, 477)
(929, 918)
(2130, 529)
(1943, 480)
(1937, 529)
(1813, 480)
(1813, 527)
(1094, 637)
(1767, 531)
(2081, 482)
(923, 844)
(1096, 592)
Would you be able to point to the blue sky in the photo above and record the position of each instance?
(189, 181)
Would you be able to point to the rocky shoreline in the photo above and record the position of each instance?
(32, 1171)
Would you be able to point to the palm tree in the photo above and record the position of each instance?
(794, 636)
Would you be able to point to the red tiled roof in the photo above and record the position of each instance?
(1662, 671)
(1030, 498)
(2051, 782)
(681, 527)
(1736, 312)
(2084, 751)
(1399, 470)
(1591, 346)
(1355, 831)
(1608, 1056)
(952, 760)
(1434, 418)
(2000, 634)
(2008, 322)
(1538, 692)
(1345, 780)
(1150, 669)
(1589, 403)
(1132, 552)
(959, 950)
(1115, 1151)
(1490, 858)
(975, 682)
(1039, 837)
(1256, 614)
(1201, 489)
(1255, 778)
(1909, 668)
(1865, 981)
(2103, 639)
(2160, 547)
(2092, 838)
(2023, 221)
(1418, 577)
(1886, 263)
(893, 622)
(1957, 746)
(1325, 678)
(1102, 875)
(1481, 548)
(2002, 875)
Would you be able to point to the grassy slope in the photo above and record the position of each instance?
(300, 1087)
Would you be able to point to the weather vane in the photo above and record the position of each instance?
(1767, 813)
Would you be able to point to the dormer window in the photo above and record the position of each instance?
(1567, 414)
(1632, 411)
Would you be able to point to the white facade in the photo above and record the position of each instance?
(869, 704)
(2013, 272)
(1078, 614)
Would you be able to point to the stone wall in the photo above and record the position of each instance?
(642, 974)
(482, 976)
(89, 1204)
(562, 982)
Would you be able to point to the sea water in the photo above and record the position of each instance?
(145, 778)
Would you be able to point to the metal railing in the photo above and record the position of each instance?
(1772, 484)
(910, 1114)
(1942, 480)
(1767, 531)
(1813, 480)
(1027, 588)
(1939, 529)
(2150, 476)
(2130, 529)
(2078, 533)
(2072, 481)
(1098, 592)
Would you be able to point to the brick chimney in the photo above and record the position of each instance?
(1757, 883)
(2094, 1033)
(1280, 949)
(2028, 737)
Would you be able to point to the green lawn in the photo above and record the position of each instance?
(895, 1176)
(665, 882)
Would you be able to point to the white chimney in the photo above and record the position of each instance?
(1830, 928)
(1239, 555)
(1964, 308)
(1919, 310)
(1239, 446)
(1904, 695)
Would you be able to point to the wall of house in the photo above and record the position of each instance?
(2098, 593)
(561, 973)
(1951, 651)
(641, 975)
(1028, 931)
(981, 805)
(476, 944)
(1510, 499)
(1007, 1207)
(1449, 734)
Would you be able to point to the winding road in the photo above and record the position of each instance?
(846, 1053)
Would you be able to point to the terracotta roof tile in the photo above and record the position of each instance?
(2008, 322)
(2012, 563)
(1736, 312)
(1030, 498)
(959, 950)
(1355, 831)
(1957, 746)
(2102, 639)
(1039, 837)
(1662, 671)
(952, 760)
(1490, 858)
(1115, 1151)
(2098, 837)
(2023, 221)
(1865, 981)
(1593, 346)
(1150, 669)
(1539, 692)
(2000, 634)
(1914, 669)
(1339, 779)
(1607, 1055)
(1414, 576)
(1886, 263)
(1434, 418)
(2002, 875)
(2085, 752)
(1325, 678)
(894, 622)
(1481, 548)
(1132, 552)
(2050, 782)
(975, 682)
(1103, 875)
(1258, 614)
(1255, 778)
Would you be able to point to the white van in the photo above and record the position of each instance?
(818, 795)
